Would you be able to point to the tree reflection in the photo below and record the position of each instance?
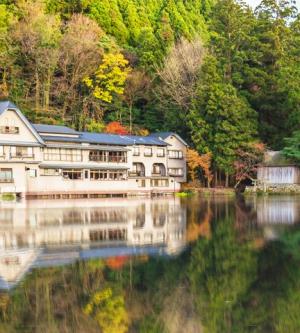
(221, 271)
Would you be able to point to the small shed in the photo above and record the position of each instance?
(276, 170)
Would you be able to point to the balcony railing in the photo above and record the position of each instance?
(6, 180)
(109, 159)
(136, 173)
(158, 173)
(31, 156)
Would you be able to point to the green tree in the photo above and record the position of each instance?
(220, 120)
(292, 147)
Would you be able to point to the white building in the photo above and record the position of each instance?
(59, 162)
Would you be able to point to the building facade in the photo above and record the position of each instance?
(59, 162)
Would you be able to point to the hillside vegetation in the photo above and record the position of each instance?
(223, 76)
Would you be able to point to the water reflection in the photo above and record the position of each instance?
(51, 233)
(46, 233)
(240, 274)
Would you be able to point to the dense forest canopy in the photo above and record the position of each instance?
(222, 75)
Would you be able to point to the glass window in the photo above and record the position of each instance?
(73, 174)
(62, 154)
(159, 182)
(160, 152)
(9, 130)
(148, 151)
(177, 154)
(6, 175)
(21, 151)
(32, 173)
(175, 171)
(136, 151)
(50, 172)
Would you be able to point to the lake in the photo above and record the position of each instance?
(168, 264)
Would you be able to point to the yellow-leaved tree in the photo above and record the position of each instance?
(108, 309)
(109, 79)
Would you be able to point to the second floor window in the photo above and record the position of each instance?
(21, 152)
(160, 152)
(60, 154)
(148, 151)
(136, 151)
(176, 154)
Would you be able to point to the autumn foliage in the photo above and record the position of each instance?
(247, 161)
(116, 127)
(196, 161)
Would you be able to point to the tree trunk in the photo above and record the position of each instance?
(47, 90)
(37, 91)
(226, 179)
(130, 118)
(216, 178)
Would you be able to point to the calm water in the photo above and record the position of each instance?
(208, 264)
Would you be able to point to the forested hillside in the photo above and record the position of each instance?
(223, 76)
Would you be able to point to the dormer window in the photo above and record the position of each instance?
(9, 130)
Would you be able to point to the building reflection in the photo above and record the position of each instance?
(276, 209)
(45, 233)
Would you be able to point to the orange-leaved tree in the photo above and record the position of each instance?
(116, 127)
(196, 161)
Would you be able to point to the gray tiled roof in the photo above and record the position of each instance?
(107, 139)
(126, 140)
(55, 129)
(165, 135)
(4, 105)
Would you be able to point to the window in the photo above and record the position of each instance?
(9, 130)
(148, 151)
(21, 152)
(107, 175)
(32, 173)
(98, 156)
(177, 154)
(50, 172)
(142, 183)
(73, 174)
(117, 156)
(159, 182)
(175, 171)
(61, 154)
(160, 152)
(98, 174)
(6, 175)
(136, 151)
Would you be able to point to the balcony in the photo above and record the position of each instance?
(136, 173)
(107, 157)
(158, 170)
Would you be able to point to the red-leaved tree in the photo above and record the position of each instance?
(248, 159)
(116, 127)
